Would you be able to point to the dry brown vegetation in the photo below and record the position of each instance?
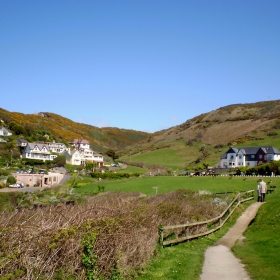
(226, 123)
(112, 234)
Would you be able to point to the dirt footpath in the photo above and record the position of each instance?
(220, 263)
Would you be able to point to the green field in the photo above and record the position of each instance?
(165, 184)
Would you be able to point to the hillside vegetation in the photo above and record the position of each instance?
(63, 129)
(203, 139)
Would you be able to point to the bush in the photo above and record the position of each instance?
(11, 180)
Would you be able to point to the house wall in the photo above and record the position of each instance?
(236, 158)
(44, 180)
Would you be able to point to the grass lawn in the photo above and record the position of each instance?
(260, 251)
(165, 184)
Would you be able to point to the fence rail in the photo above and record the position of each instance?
(179, 233)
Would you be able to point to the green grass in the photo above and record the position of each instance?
(174, 157)
(166, 184)
(132, 169)
(260, 251)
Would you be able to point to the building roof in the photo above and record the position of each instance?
(80, 141)
(40, 146)
(21, 140)
(251, 151)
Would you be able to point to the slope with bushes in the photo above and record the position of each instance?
(63, 129)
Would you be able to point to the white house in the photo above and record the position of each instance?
(73, 157)
(38, 151)
(80, 144)
(85, 153)
(98, 158)
(253, 156)
(4, 131)
(57, 147)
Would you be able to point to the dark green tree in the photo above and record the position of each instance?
(17, 128)
(111, 153)
(59, 161)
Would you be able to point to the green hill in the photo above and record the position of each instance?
(199, 140)
(203, 139)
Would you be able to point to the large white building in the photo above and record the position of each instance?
(82, 153)
(39, 151)
(237, 157)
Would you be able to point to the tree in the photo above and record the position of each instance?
(59, 160)
(90, 165)
(111, 153)
(17, 128)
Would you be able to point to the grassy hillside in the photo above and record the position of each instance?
(205, 138)
(64, 129)
(178, 155)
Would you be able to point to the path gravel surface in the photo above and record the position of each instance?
(220, 263)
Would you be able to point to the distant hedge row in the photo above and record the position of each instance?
(110, 175)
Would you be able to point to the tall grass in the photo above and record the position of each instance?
(112, 233)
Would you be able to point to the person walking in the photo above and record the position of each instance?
(259, 192)
(263, 189)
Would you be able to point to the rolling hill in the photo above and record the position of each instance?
(198, 140)
(205, 137)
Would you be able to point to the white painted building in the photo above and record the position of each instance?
(237, 157)
(38, 151)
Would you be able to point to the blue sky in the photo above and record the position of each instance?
(145, 65)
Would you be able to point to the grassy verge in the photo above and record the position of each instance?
(260, 251)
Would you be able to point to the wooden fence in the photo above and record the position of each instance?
(179, 233)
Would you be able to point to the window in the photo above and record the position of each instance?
(240, 157)
(252, 156)
(231, 157)
(260, 156)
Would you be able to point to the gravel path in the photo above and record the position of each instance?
(220, 263)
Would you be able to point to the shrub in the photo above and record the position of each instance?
(272, 133)
(11, 180)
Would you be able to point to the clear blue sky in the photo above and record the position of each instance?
(145, 65)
